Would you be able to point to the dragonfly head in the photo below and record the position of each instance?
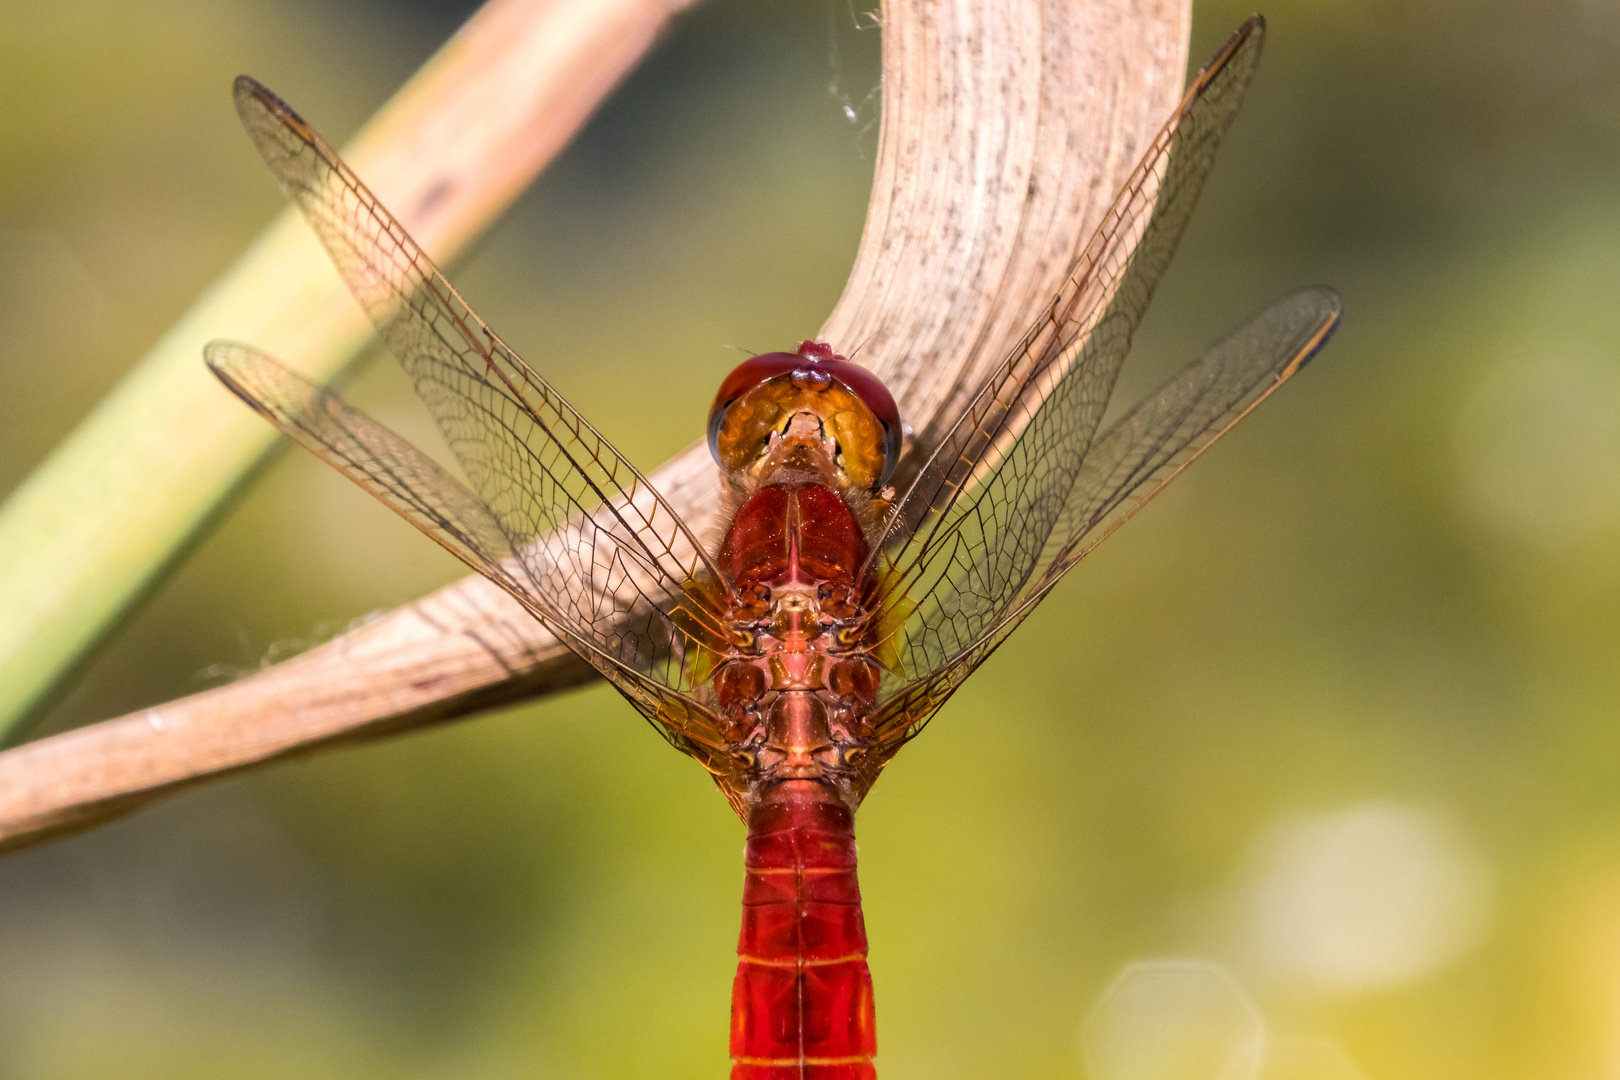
(796, 408)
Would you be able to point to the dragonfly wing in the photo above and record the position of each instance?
(1126, 466)
(963, 541)
(600, 556)
(380, 461)
(1148, 447)
(1079, 341)
(417, 488)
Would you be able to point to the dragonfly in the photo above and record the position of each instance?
(839, 610)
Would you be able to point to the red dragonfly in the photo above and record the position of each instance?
(834, 617)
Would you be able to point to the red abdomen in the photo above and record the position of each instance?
(801, 1007)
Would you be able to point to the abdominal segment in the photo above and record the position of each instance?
(801, 1006)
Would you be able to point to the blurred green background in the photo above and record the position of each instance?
(1338, 714)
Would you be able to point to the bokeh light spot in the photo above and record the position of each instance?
(1365, 897)
(1173, 1020)
(1307, 1059)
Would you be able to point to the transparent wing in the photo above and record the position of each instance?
(589, 546)
(1072, 354)
(968, 542)
(416, 487)
(1126, 466)
(381, 462)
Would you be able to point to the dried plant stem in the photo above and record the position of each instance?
(1007, 127)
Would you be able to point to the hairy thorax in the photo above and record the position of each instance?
(797, 689)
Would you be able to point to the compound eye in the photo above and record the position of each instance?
(755, 399)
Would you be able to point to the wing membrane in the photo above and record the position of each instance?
(996, 513)
(1080, 340)
(1127, 466)
(417, 488)
(381, 462)
(1148, 447)
(589, 545)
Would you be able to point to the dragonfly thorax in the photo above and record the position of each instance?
(797, 687)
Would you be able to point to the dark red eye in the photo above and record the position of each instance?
(814, 359)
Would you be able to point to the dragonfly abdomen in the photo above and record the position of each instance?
(801, 1006)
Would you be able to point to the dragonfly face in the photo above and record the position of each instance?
(834, 617)
(855, 419)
